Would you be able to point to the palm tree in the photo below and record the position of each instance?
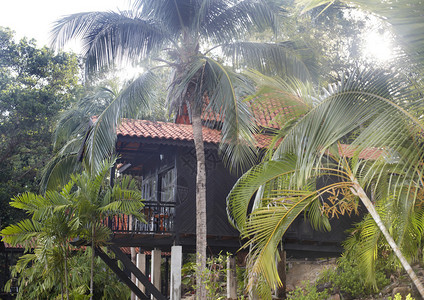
(406, 227)
(47, 231)
(368, 111)
(78, 210)
(70, 134)
(183, 36)
(94, 201)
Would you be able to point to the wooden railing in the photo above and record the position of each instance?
(159, 218)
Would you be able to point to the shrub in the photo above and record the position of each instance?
(348, 279)
(308, 293)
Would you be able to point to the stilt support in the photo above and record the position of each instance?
(141, 265)
(140, 276)
(156, 262)
(176, 265)
(231, 278)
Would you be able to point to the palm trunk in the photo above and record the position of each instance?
(201, 230)
(371, 209)
(92, 263)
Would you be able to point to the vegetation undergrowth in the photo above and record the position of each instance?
(347, 279)
(309, 292)
(214, 276)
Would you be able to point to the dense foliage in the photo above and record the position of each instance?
(77, 211)
(36, 282)
(35, 84)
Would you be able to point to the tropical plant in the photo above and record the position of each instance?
(35, 281)
(348, 278)
(70, 134)
(362, 132)
(47, 231)
(182, 35)
(370, 251)
(213, 276)
(308, 293)
(80, 210)
(95, 200)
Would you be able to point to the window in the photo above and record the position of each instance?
(148, 190)
(163, 187)
(167, 185)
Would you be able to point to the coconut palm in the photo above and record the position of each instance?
(183, 36)
(70, 134)
(362, 132)
(367, 245)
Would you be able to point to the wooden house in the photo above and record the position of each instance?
(162, 155)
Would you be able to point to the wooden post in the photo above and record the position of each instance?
(141, 265)
(156, 262)
(231, 278)
(133, 256)
(176, 265)
(133, 278)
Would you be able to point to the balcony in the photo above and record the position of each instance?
(159, 218)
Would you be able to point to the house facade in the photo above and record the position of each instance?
(162, 154)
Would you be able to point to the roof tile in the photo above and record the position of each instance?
(173, 131)
(184, 132)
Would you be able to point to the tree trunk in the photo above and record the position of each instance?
(371, 209)
(201, 230)
(92, 263)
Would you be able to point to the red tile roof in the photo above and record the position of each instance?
(268, 113)
(271, 113)
(166, 131)
(172, 131)
(369, 153)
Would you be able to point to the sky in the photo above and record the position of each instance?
(34, 18)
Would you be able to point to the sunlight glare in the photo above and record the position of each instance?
(378, 47)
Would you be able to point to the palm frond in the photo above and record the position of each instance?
(240, 196)
(307, 5)
(72, 122)
(364, 246)
(223, 21)
(266, 227)
(284, 59)
(58, 171)
(109, 37)
(226, 91)
(102, 136)
(176, 16)
(22, 233)
(361, 102)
